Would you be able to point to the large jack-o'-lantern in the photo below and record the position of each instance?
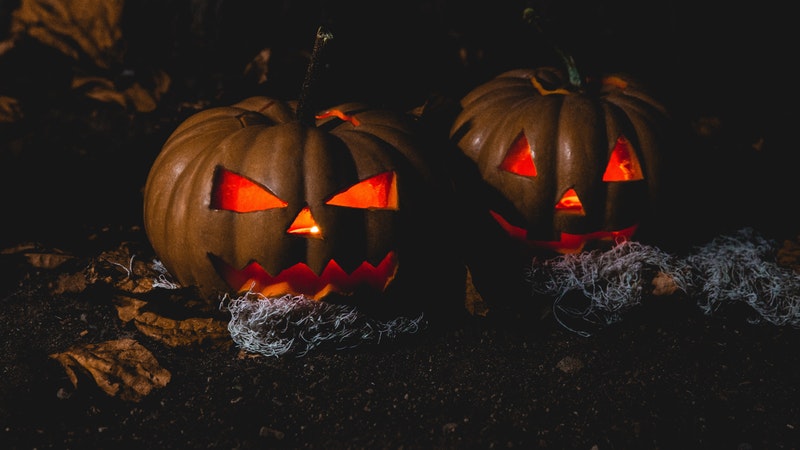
(567, 168)
(249, 198)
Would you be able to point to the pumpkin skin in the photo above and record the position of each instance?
(246, 197)
(566, 169)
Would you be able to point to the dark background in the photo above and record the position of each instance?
(667, 376)
(72, 161)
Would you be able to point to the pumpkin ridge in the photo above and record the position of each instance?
(635, 108)
(510, 88)
(476, 119)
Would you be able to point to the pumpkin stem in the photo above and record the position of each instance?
(306, 109)
(530, 16)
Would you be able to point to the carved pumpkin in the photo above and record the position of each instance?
(247, 197)
(566, 168)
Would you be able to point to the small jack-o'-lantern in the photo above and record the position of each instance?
(568, 168)
(249, 198)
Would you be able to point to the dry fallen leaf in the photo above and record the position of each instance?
(37, 256)
(121, 368)
(663, 284)
(173, 332)
(7, 45)
(71, 282)
(117, 268)
(134, 96)
(78, 28)
(141, 99)
(19, 248)
(146, 99)
(10, 110)
(47, 260)
(99, 88)
(473, 300)
(122, 269)
(258, 68)
(789, 254)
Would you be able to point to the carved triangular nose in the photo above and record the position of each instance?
(570, 203)
(305, 225)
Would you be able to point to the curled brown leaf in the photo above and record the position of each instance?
(121, 368)
(10, 109)
(81, 29)
(173, 332)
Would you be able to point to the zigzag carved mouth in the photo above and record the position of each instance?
(299, 279)
(569, 243)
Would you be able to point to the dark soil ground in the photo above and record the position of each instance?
(665, 377)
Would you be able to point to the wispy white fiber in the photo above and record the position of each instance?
(731, 268)
(275, 326)
(611, 282)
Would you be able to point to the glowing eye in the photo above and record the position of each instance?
(519, 159)
(623, 165)
(234, 192)
(378, 192)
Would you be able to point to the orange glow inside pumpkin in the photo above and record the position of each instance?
(614, 81)
(341, 115)
(519, 159)
(234, 192)
(237, 193)
(574, 243)
(568, 243)
(378, 192)
(570, 203)
(305, 225)
(299, 279)
(623, 165)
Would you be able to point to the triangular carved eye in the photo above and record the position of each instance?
(377, 192)
(570, 203)
(623, 165)
(519, 159)
(233, 192)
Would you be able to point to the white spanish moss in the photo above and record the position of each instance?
(609, 282)
(274, 326)
(163, 280)
(595, 287)
(604, 284)
(741, 268)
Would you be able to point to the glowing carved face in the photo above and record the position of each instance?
(565, 165)
(248, 196)
(623, 166)
(236, 193)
